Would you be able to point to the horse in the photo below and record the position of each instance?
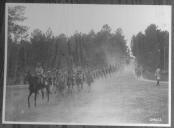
(139, 72)
(70, 83)
(79, 80)
(35, 86)
(62, 83)
(89, 80)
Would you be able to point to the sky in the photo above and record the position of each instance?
(69, 18)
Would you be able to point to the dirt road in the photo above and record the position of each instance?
(120, 98)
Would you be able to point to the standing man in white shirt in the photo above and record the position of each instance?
(158, 76)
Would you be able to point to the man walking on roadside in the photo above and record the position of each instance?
(158, 76)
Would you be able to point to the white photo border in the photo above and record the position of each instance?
(97, 124)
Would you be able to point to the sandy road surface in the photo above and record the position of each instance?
(117, 99)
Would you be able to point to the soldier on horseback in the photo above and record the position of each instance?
(39, 73)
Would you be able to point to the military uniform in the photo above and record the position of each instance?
(157, 75)
(40, 73)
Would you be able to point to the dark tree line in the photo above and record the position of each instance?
(151, 48)
(92, 50)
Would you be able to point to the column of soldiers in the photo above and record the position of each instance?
(69, 79)
(105, 71)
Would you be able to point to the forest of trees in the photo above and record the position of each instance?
(151, 48)
(94, 49)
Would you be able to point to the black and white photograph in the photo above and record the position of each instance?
(87, 64)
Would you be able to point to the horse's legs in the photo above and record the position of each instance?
(89, 87)
(68, 89)
(78, 86)
(71, 88)
(81, 85)
(35, 98)
(55, 89)
(42, 92)
(29, 99)
(157, 84)
(48, 93)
